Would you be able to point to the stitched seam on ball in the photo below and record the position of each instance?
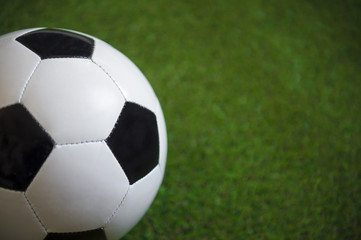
(118, 207)
(41, 127)
(34, 212)
(71, 233)
(118, 89)
(93, 46)
(115, 124)
(27, 82)
(157, 112)
(78, 143)
(160, 167)
(109, 77)
(72, 57)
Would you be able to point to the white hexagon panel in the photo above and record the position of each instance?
(73, 99)
(86, 177)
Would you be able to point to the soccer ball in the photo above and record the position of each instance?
(82, 138)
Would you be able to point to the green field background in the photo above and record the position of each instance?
(263, 107)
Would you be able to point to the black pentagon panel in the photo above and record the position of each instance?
(134, 141)
(97, 234)
(53, 43)
(24, 147)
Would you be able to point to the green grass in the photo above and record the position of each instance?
(263, 107)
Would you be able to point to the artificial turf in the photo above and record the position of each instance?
(263, 108)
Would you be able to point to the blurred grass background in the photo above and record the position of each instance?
(263, 108)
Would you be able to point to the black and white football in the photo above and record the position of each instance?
(82, 138)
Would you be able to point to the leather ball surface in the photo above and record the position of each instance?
(82, 138)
